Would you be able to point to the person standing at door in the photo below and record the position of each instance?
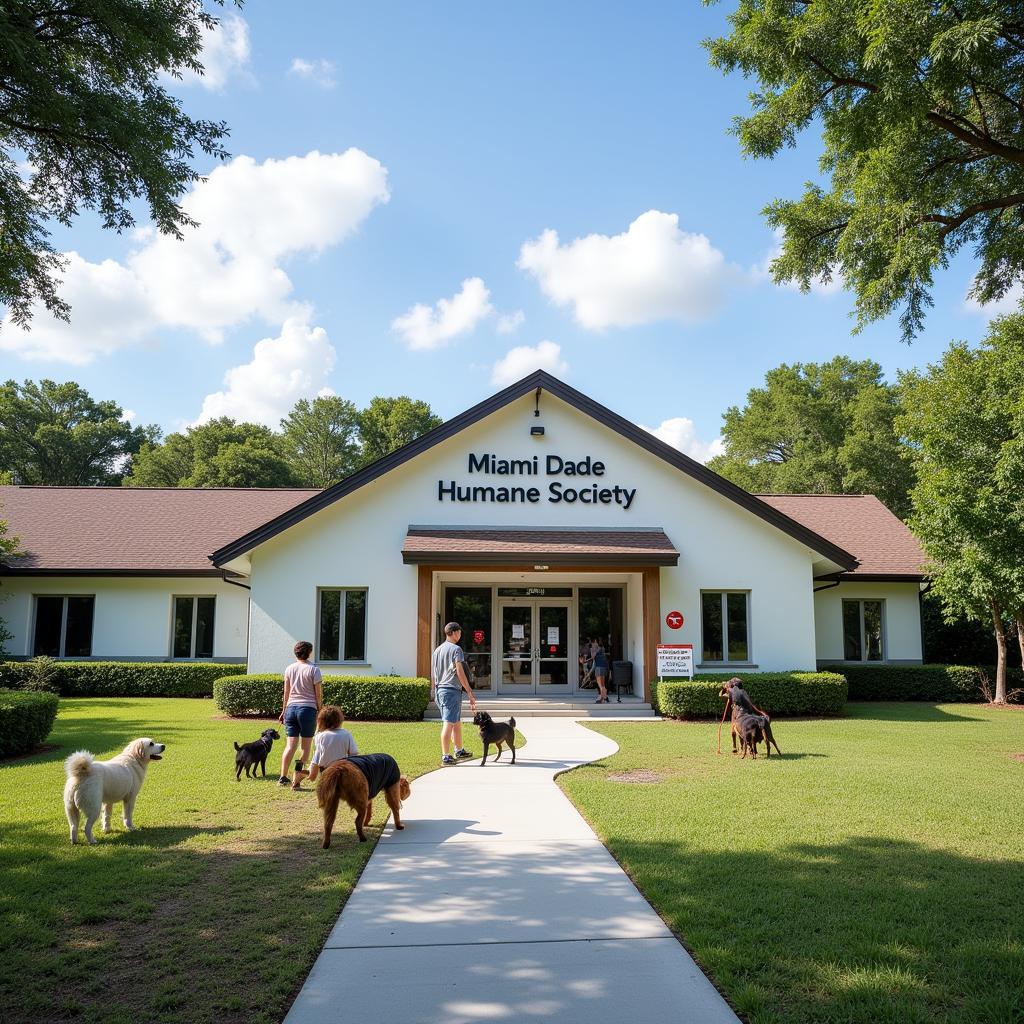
(600, 669)
(447, 681)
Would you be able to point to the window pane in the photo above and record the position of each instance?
(355, 625)
(78, 634)
(873, 629)
(47, 636)
(736, 609)
(204, 626)
(183, 627)
(600, 618)
(330, 624)
(471, 608)
(851, 630)
(711, 618)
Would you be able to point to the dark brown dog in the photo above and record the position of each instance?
(749, 723)
(497, 733)
(357, 780)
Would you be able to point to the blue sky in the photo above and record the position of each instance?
(470, 131)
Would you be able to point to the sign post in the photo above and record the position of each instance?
(675, 660)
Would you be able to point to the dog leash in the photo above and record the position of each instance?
(721, 723)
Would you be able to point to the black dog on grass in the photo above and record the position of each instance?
(750, 725)
(497, 733)
(253, 755)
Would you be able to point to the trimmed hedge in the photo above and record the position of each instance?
(25, 720)
(124, 678)
(778, 693)
(941, 684)
(364, 698)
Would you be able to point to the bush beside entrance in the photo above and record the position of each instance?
(778, 693)
(940, 684)
(364, 698)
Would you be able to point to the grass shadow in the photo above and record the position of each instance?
(865, 930)
(908, 711)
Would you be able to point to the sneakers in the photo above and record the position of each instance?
(448, 759)
(462, 754)
(283, 780)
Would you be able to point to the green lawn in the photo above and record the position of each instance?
(214, 911)
(875, 873)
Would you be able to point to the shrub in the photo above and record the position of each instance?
(25, 720)
(120, 678)
(945, 684)
(364, 698)
(778, 693)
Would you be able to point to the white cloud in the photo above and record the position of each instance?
(427, 328)
(653, 271)
(321, 72)
(681, 433)
(296, 364)
(252, 218)
(761, 272)
(128, 415)
(509, 323)
(524, 359)
(1009, 303)
(225, 55)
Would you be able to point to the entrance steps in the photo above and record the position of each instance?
(551, 707)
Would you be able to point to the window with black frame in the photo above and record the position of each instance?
(342, 629)
(193, 627)
(725, 626)
(470, 607)
(63, 626)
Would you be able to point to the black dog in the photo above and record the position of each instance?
(251, 755)
(497, 733)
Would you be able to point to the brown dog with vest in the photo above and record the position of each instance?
(357, 780)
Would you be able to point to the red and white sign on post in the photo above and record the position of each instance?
(675, 660)
(674, 620)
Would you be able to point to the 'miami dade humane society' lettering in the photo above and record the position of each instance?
(557, 491)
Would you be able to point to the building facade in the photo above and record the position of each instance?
(540, 520)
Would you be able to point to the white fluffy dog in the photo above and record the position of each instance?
(93, 784)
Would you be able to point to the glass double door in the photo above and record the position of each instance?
(535, 656)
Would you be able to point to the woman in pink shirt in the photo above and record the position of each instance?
(299, 706)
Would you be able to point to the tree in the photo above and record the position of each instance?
(220, 453)
(964, 418)
(921, 107)
(321, 440)
(819, 429)
(83, 107)
(58, 434)
(389, 423)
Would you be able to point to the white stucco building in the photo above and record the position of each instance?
(538, 519)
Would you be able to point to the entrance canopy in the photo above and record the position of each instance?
(517, 546)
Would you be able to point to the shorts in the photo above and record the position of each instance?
(600, 670)
(300, 720)
(449, 703)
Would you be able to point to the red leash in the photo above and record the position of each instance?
(721, 723)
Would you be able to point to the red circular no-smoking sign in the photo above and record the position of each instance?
(674, 620)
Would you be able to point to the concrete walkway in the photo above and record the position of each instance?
(498, 903)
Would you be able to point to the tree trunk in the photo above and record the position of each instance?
(997, 622)
(1019, 623)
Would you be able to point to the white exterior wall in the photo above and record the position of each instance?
(132, 616)
(357, 542)
(901, 618)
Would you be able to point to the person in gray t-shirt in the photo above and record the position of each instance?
(447, 681)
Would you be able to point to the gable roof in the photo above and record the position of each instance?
(538, 381)
(131, 531)
(884, 545)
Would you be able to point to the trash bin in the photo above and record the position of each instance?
(622, 678)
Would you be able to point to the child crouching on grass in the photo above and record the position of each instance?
(331, 743)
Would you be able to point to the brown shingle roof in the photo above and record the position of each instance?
(520, 545)
(862, 525)
(140, 530)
